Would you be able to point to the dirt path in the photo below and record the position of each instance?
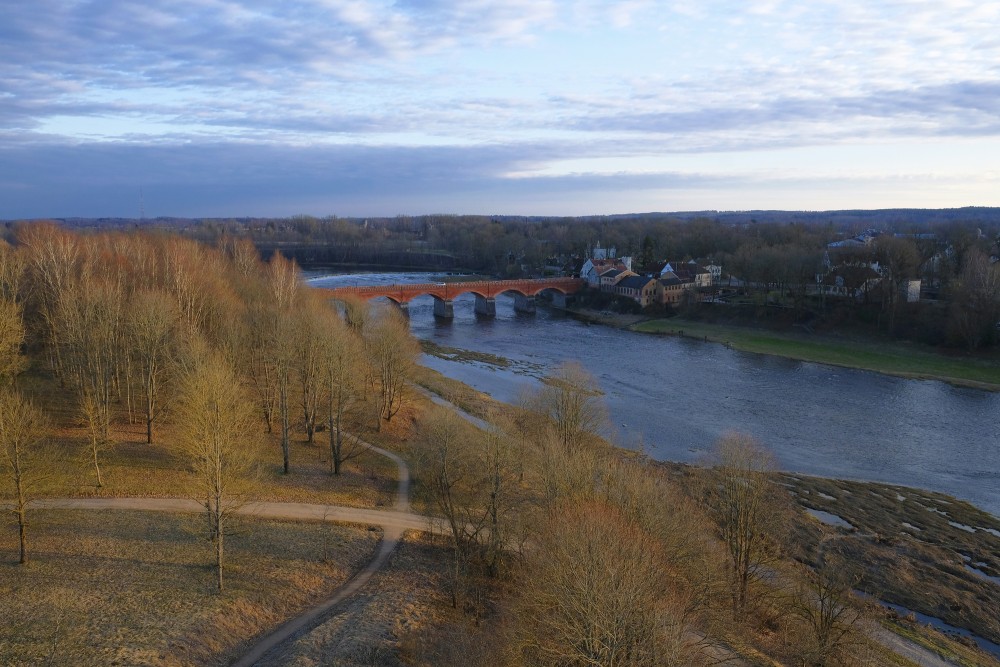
(393, 522)
(302, 624)
(292, 511)
(909, 650)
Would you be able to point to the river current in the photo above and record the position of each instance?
(675, 396)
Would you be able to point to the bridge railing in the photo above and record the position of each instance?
(466, 285)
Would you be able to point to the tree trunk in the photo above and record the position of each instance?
(335, 449)
(284, 421)
(22, 526)
(97, 467)
(219, 551)
(150, 405)
(336, 438)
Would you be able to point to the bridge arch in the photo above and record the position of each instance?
(478, 291)
(485, 291)
(512, 290)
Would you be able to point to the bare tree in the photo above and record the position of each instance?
(95, 419)
(357, 313)
(152, 327)
(573, 401)
(824, 603)
(243, 255)
(311, 342)
(503, 496)
(342, 374)
(257, 362)
(11, 339)
(900, 260)
(594, 592)
(217, 436)
(566, 474)
(283, 286)
(975, 301)
(447, 467)
(185, 265)
(12, 273)
(91, 329)
(21, 432)
(53, 260)
(392, 353)
(650, 497)
(748, 509)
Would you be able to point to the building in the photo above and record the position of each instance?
(714, 269)
(641, 289)
(593, 268)
(851, 281)
(670, 289)
(611, 277)
(689, 272)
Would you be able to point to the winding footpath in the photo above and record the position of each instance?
(394, 523)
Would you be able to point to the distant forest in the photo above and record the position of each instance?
(503, 244)
(776, 257)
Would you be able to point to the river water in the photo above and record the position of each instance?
(674, 397)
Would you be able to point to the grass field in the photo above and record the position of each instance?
(399, 610)
(905, 360)
(130, 467)
(909, 547)
(905, 546)
(130, 588)
(462, 395)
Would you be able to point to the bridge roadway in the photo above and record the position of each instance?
(486, 291)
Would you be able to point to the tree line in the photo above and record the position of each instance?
(564, 551)
(207, 344)
(775, 258)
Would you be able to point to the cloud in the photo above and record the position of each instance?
(451, 96)
(230, 44)
(966, 108)
(242, 179)
(245, 179)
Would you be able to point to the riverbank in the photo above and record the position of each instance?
(879, 531)
(907, 360)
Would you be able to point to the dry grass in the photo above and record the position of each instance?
(474, 402)
(132, 468)
(924, 573)
(133, 588)
(396, 619)
(907, 547)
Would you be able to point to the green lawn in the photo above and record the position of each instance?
(903, 359)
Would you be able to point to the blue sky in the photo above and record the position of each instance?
(351, 107)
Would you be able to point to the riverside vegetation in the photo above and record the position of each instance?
(150, 365)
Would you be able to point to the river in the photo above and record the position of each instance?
(674, 397)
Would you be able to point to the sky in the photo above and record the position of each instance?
(222, 108)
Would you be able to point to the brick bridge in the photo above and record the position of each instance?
(486, 292)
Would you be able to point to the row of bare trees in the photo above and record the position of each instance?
(598, 558)
(209, 348)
